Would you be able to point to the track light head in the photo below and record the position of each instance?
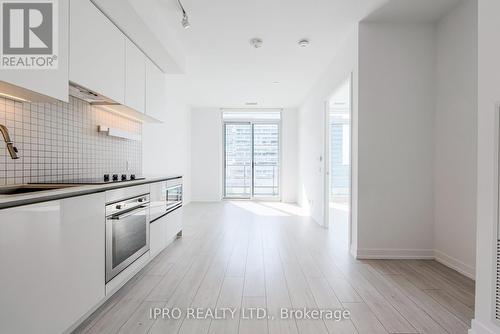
(185, 22)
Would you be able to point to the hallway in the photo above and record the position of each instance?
(268, 255)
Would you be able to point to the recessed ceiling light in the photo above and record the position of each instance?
(256, 42)
(251, 103)
(304, 43)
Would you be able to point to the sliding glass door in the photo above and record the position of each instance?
(238, 160)
(251, 160)
(266, 160)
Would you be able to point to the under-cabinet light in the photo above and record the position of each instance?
(12, 97)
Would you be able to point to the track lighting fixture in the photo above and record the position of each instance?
(185, 19)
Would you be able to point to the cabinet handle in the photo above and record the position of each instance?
(129, 213)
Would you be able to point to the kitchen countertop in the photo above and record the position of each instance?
(8, 201)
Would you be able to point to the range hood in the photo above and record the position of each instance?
(89, 96)
(109, 105)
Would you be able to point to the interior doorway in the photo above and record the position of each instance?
(252, 156)
(338, 130)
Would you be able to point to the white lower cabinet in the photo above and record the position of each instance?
(52, 263)
(157, 241)
(174, 225)
(164, 230)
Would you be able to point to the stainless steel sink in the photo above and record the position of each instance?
(28, 188)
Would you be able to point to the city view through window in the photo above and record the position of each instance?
(251, 159)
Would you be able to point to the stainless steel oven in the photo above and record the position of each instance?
(127, 233)
(174, 194)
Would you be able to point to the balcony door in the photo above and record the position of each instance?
(251, 160)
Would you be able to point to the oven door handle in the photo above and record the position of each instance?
(129, 213)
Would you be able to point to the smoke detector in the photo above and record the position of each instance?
(256, 42)
(303, 43)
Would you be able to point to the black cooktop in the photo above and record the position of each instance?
(93, 180)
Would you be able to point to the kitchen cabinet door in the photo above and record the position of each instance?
(135, 77)
(173, 225)
(157, 236)
(52, 263)
(96, 51)
(51, 83)
(155, 91)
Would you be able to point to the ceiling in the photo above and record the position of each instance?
(412, 11)
(223, 70)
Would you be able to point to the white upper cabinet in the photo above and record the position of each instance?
(135, 77)
(41, 85)
(96, 51)
(155, 91)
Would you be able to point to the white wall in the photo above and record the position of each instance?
(166, 147)
(207, 155)
(289, 155)
(396, 120)
(487, 187)
(311, 131)
(456, 139)
(206, 152)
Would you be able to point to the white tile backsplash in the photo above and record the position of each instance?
(59, 141)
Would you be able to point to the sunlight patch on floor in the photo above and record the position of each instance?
(292, 209)
(259, 209)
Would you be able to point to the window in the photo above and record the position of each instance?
(251, 154)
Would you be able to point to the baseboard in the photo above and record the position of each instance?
(455, 264)
(354, 251)
(415, 254)
(479, 328)
(389, 254)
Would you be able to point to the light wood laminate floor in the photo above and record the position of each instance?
(242, 255)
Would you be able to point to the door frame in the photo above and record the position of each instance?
(326, 162)
(252, 122)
